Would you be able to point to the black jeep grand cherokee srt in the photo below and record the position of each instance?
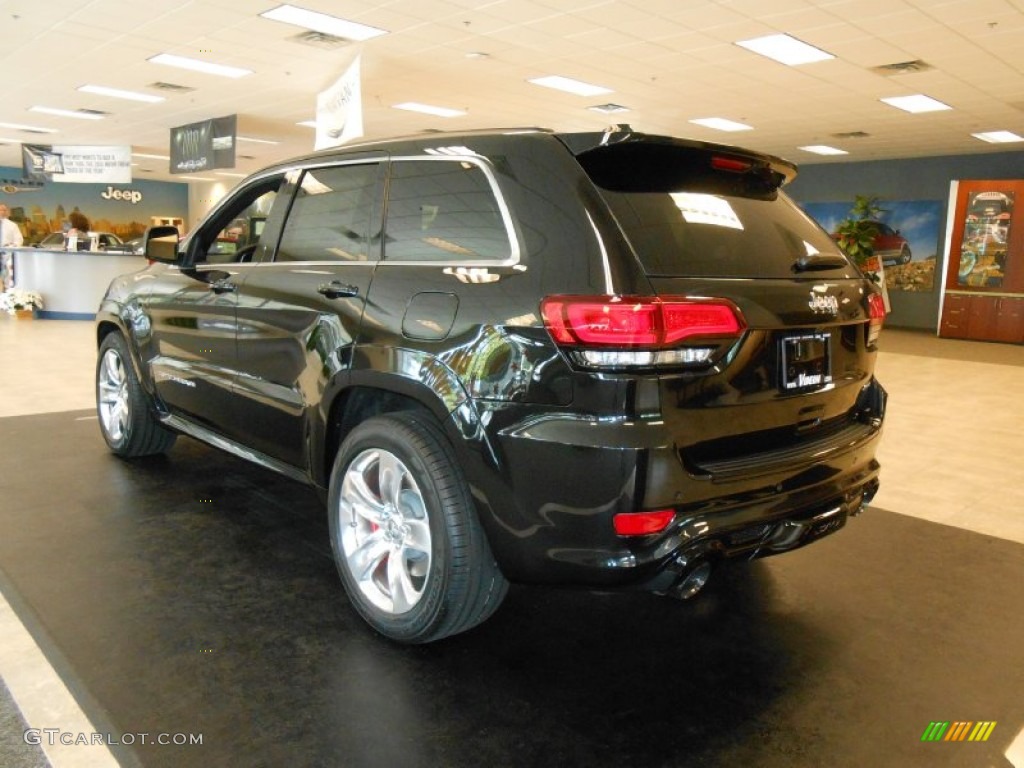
(591, 359)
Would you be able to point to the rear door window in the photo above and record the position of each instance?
(444, 210)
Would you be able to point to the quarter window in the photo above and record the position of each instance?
(330, 219)
(443, 210)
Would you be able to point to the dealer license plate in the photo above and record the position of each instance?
(806, 361)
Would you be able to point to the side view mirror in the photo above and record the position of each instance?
(161, 244)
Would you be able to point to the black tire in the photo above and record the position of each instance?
(127, 421)
(904, 255)
(422, 531)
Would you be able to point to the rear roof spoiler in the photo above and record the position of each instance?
(782, 171)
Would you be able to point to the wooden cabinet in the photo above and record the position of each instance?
(1010, 320)
(983, 317)
(954, 317)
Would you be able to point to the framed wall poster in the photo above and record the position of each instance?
(983, 248)
(907, 240)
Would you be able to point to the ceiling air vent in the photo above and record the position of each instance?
(172, 87)
(99, 112)
(851, 135)
(320, 39)
(902, 68)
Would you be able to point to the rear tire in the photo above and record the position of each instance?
(127, 421)
(407, 544)
(904, 255)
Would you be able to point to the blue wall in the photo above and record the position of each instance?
(42, 209)
(926, 178)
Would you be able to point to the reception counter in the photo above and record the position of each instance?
(70, 282)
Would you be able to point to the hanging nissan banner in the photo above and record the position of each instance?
(339, 110)
(77, 164)
(204, 146)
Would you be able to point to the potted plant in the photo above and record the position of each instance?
(857, 232)
(22, 304)
(856, 236)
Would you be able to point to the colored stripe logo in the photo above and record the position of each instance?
(958, 730)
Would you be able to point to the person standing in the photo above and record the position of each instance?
(10, 233)
(10, 237)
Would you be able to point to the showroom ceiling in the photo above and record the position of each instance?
(667, 61)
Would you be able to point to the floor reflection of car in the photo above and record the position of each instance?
(55, 240)
(889, 244)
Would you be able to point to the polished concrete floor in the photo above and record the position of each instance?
(195, 594)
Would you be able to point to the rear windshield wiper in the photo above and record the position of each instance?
(820, 261)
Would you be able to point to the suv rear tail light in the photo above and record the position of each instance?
(632, 332)
(876, 311)
(642, 523)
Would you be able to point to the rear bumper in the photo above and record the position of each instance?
(549, 509)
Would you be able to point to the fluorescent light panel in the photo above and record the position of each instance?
(307, 123)
(66, 113)
(427, 109)
(998, 137)
(21, 127)
(321, 22)
(199, 66)
(233, 175)
(785, 49)
(256, 141)
(916, 103)
(154, 157)
(824, 149)
(198, 178)
(721, 124)
(117, 93)
(569, 85)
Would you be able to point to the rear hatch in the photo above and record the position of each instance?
(789, 381)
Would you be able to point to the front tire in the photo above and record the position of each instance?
(126, 420)
(409, 549)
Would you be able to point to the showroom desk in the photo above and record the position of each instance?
(70, 282)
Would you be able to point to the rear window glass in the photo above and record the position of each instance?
(691, 211)
(702, 235)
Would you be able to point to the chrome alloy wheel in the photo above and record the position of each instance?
(114, 407)
(385, 531)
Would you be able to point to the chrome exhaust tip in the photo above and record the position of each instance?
(693, 582)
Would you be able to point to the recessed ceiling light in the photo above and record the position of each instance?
(256, 141)
(569, 85)
(609, 109)
(998, 137)
(116, 93)
(199, 66)
(321, 22)
(81, 115)
(427, 109)
(916, 103)
(785, 49)
(154, 157)
(31, 128)
(721, 124)
(823, 149)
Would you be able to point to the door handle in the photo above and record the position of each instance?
(338, 290)
(223, 286)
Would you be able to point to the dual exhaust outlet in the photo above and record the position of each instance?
(694, 570)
